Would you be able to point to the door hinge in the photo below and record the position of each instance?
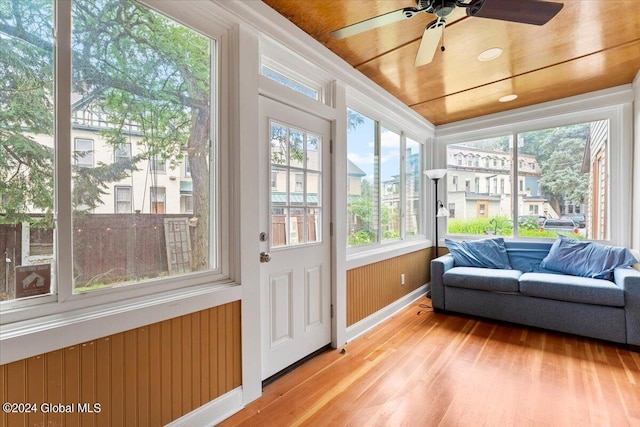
(331, 311)
(330, 229)
(331, 146)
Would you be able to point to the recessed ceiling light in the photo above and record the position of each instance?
(508, 98)
(490, 54)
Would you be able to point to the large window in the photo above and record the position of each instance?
(553, 180)
(384, 176)
(141, 102)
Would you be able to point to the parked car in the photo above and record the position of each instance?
(581, 220)
(561, 224)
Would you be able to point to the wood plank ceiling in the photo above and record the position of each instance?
(590, 45)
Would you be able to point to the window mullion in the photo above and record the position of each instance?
(63, 140)
(515, 183)
(402, 182)
(377, 184)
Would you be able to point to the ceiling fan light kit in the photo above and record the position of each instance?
(534, 12)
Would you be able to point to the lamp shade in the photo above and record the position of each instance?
(442, 211)
(435, 173)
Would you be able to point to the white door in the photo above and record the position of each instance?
(295, 288)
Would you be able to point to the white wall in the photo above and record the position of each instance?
(635, 239)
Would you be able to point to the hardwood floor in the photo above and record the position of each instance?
(432, 369)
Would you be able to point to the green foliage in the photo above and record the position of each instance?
(559, 152)
(361, 237)
(500, 226)
(529, 223)
(354, 119)
(130, 65)
(503, 227)
(90, 184)
(26, 88)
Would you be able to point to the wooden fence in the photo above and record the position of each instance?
(119, 247)
(108, 248)
(279, 230)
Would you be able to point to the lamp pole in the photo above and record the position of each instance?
(436, 175)
(435, 206)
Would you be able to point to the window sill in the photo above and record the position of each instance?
(385, 251)
(32, 337)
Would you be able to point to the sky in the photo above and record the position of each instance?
(360, 150)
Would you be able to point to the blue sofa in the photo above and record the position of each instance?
(532, 296)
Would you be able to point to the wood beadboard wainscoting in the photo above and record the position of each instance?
(147, 376)
(372, 287)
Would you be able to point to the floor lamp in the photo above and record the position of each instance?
(436, 175)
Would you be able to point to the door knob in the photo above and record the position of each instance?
(265, 257)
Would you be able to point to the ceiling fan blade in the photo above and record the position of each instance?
(524, 11)
(429, 43)
(378, 21)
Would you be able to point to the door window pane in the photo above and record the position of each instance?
(293, 187)
(314, 159)
(141, 90)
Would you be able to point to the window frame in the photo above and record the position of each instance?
(120, 158)
(62, 298)
(115, 198)
(406, 131)
(613, 105)
(77, 158)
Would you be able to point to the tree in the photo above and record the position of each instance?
(26, 86)
(559, 152)
(137, 66)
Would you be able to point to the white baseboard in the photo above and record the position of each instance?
(380, 316)
(213, 412)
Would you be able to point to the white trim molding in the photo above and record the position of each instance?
(28, 338)
(635, 221)
(368, 323)
(213, 412)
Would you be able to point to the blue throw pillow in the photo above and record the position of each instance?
(487, 253)
(586, 259)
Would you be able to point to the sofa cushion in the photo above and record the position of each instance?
(572, 288)
(488, 253)
(587, 259)
(486, 279)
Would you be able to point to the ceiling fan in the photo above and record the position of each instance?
(535, 12)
